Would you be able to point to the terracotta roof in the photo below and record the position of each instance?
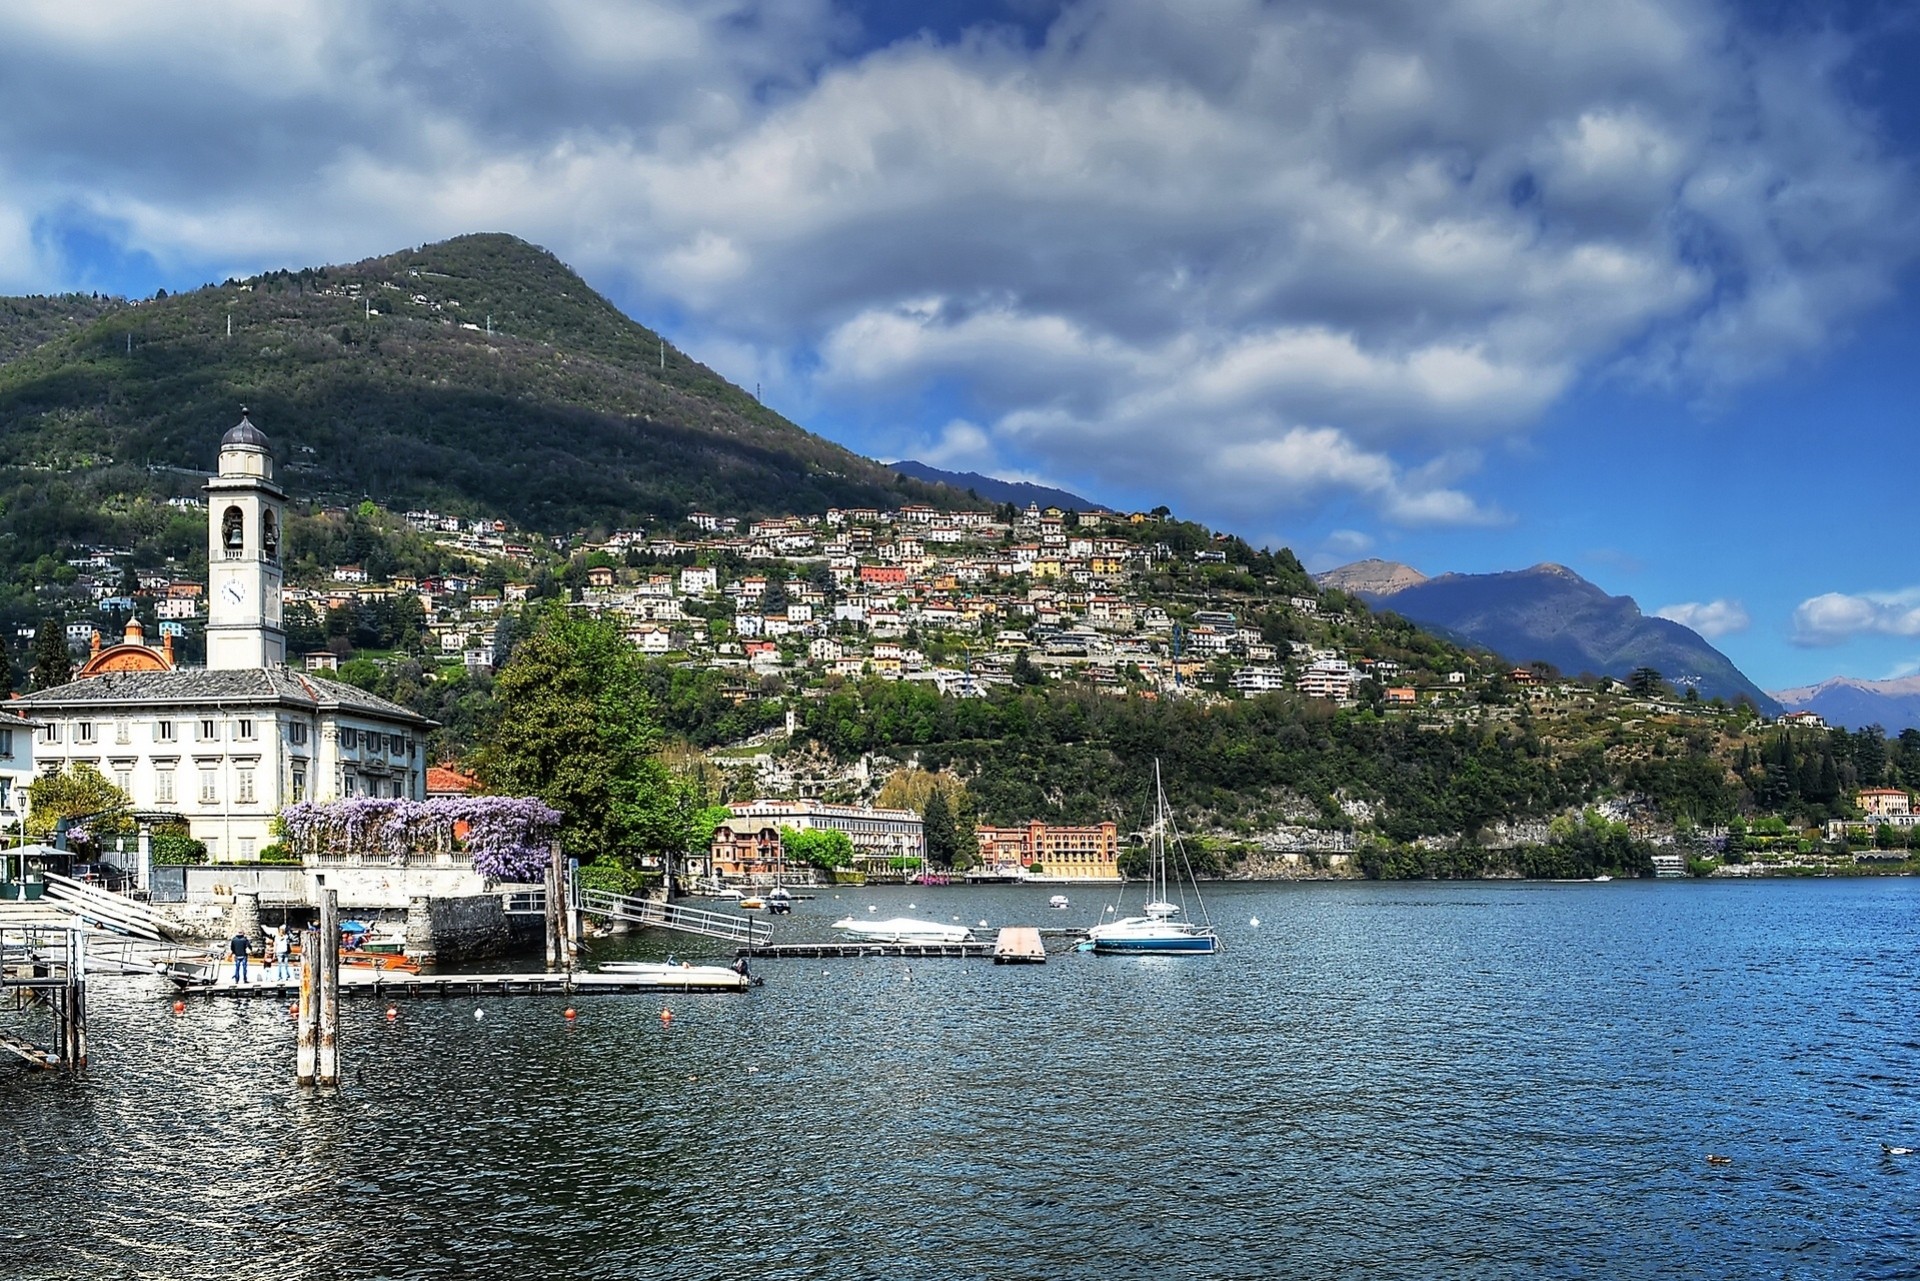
(444, 780)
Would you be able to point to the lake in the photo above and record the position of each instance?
(1377, 1080)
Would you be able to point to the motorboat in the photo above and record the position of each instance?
(904, 929)
(752, 903)
(1059, 902)
(1163, 929)
(779, 900)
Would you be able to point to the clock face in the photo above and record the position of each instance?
(234, 591)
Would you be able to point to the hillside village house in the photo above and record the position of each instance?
(225, 747)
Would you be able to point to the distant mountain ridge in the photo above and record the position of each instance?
(993, 489)
(1372, 578)
(1893, 705)
(1550, 614)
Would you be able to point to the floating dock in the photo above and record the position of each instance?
(817, 951)
(390, 984)
(1019, 945)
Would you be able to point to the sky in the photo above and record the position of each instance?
(1625, 285)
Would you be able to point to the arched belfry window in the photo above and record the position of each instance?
(270, 535)
(233, 532)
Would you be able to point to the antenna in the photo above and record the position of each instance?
(229, 324)
(663, 355)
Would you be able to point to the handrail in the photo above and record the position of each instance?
(672, 916)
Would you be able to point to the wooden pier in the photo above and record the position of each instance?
(391, 984)
(830, 948)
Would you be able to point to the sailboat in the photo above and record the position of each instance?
(1163, 930)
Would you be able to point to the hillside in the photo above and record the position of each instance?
(993, 489)
(1892, 705)
(479, 374)
(1550, 614)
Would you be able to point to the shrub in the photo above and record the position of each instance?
(174, 848)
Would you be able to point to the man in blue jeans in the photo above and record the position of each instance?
(240, 946)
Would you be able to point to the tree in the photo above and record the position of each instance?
(818, 847)
(943, 839)
(82, 795)
(576, 729)
(1645, 682)
(6, 669)
(52, 664)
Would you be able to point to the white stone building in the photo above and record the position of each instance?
(227, 746)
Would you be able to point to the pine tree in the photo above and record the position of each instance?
(943, 841)
(6, 670)
(52, 664)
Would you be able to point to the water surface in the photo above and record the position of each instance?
(1475, 1080)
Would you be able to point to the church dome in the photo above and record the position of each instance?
(244, 433)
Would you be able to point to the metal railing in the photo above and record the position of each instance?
(108, 911)
(672, 916)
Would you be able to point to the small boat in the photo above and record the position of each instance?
(779, 900)
(1058, 902)
(1161, 931)
(1602, 877)
(752, 903)
(678, 968)
(904, 929)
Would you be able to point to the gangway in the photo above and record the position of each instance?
(672, 916)
(114, 912)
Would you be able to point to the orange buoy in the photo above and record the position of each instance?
(179, 1007)
(293, 1009)
(570, 1013)
(666, 1016)
(393, 1013)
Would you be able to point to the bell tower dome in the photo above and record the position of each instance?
(246, 515)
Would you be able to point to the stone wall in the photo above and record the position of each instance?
(447, 930)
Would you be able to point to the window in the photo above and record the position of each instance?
(246, 848)
(83, 732)
(123, 778)
(209, 786)
(6, 742)
(209, 732)
(233, 534)
(163, 732)
(51, 734)
(244, 785)
(121, 732)
(163, 786)
(349, 784)
(349, 739)
(299, 785)
(243, 729)
(213, 849)
(297, 733)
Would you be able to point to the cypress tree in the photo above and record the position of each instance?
(937, 818)
(52, 664)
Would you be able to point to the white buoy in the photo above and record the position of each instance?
(913, 907)
(871, 907)
(479, 1014)
(1255, 922)
(983, 925)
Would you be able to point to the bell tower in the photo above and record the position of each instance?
(246, 514)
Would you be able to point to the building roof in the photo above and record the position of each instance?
(444, 780)
(244, 433)
(275, 685)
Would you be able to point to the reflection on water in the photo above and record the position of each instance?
(1399, 1081)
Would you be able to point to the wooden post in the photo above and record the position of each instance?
(570, 878)
(552, 878)
(327, 1067)
(303, 1063)
(76, 1060)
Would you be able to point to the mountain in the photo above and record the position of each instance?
(1551, 614)
(995, 490)
(1893, 705)
(478, 374)
(1371, 578)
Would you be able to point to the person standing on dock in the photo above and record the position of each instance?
(282, 955)
(241, 947)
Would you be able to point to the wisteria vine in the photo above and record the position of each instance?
(509, 838)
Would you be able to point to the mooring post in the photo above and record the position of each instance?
(328, 953)
(552, 878)
(77, 1002)
(303, 1061)
(571, 891)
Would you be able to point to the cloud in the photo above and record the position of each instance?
(1712, 619)
(1834, 618)
(1296, 255)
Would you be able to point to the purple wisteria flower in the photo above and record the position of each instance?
(509, 838)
